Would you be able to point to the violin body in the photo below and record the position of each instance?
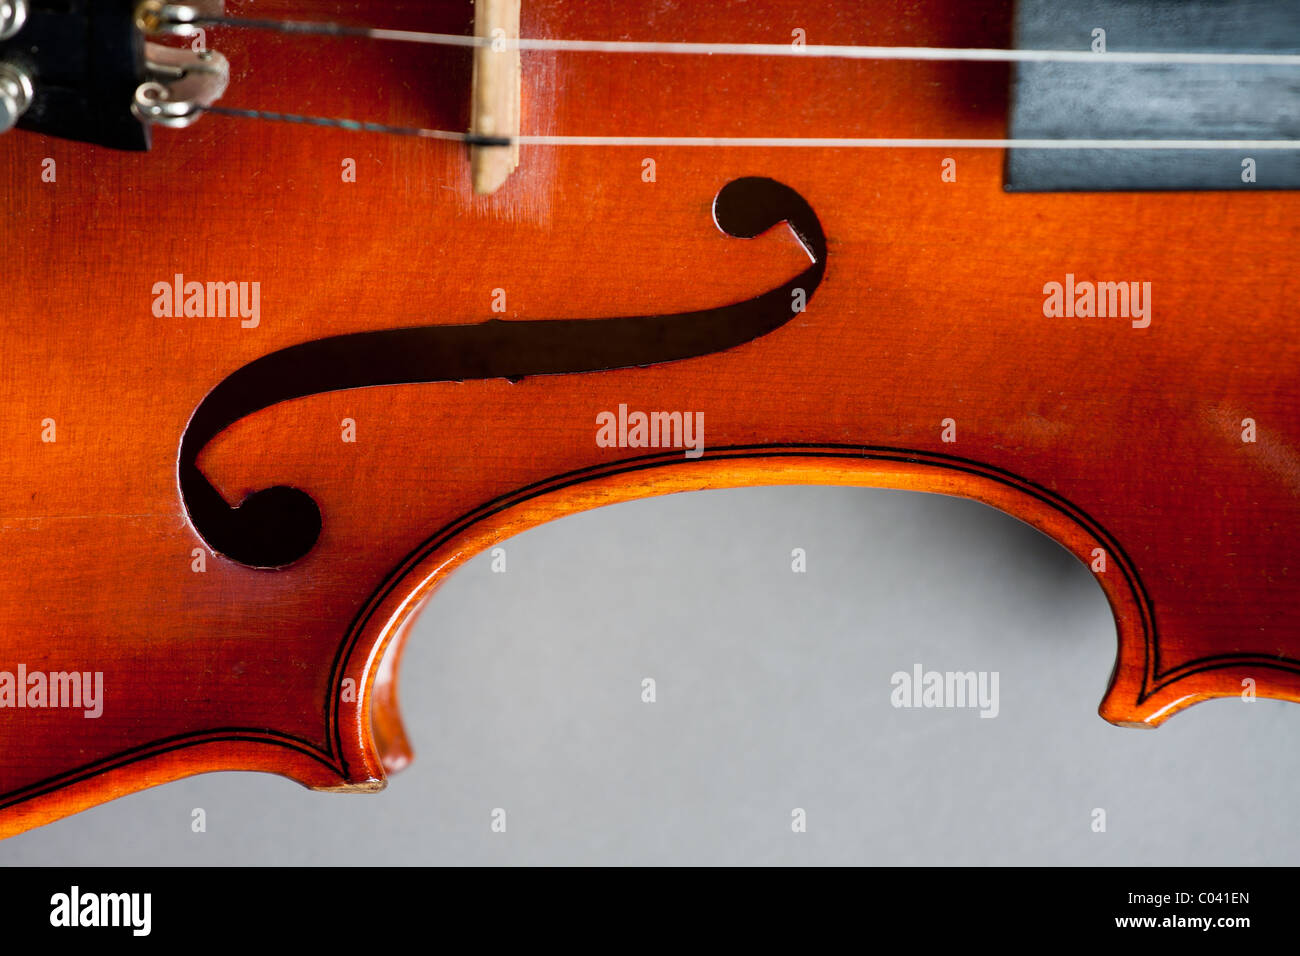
(916, 345)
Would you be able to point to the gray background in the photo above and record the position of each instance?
(523, 691)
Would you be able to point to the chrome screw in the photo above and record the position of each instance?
(13, 14)
(15, 94)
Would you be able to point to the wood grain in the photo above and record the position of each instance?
(1100, 434)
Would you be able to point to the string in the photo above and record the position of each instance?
(475, 139)
(756, 49)
(303, 27)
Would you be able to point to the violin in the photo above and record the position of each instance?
(307, 303)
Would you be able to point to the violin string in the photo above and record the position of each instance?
(474, 139)
(304, 27)
(835, 51)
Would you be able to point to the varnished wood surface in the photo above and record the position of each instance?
(1102, 435)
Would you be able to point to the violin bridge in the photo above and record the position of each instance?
(495, 98)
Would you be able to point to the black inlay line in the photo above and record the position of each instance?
(166, 745)
(337, 761)
(1136, 586)
(274, 527)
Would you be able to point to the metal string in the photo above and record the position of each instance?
(758, 49)
(302, 27)
(474, 139)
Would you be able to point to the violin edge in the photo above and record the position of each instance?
(367, 740)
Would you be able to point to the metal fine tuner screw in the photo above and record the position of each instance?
(15, 94)
(13, 14)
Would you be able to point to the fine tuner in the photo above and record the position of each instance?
(173, 86)
(98, 77)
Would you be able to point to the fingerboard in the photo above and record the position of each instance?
(1155, 101)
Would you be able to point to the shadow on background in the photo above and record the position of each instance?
(522, 691)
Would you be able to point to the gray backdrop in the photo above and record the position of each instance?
(523, 691)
